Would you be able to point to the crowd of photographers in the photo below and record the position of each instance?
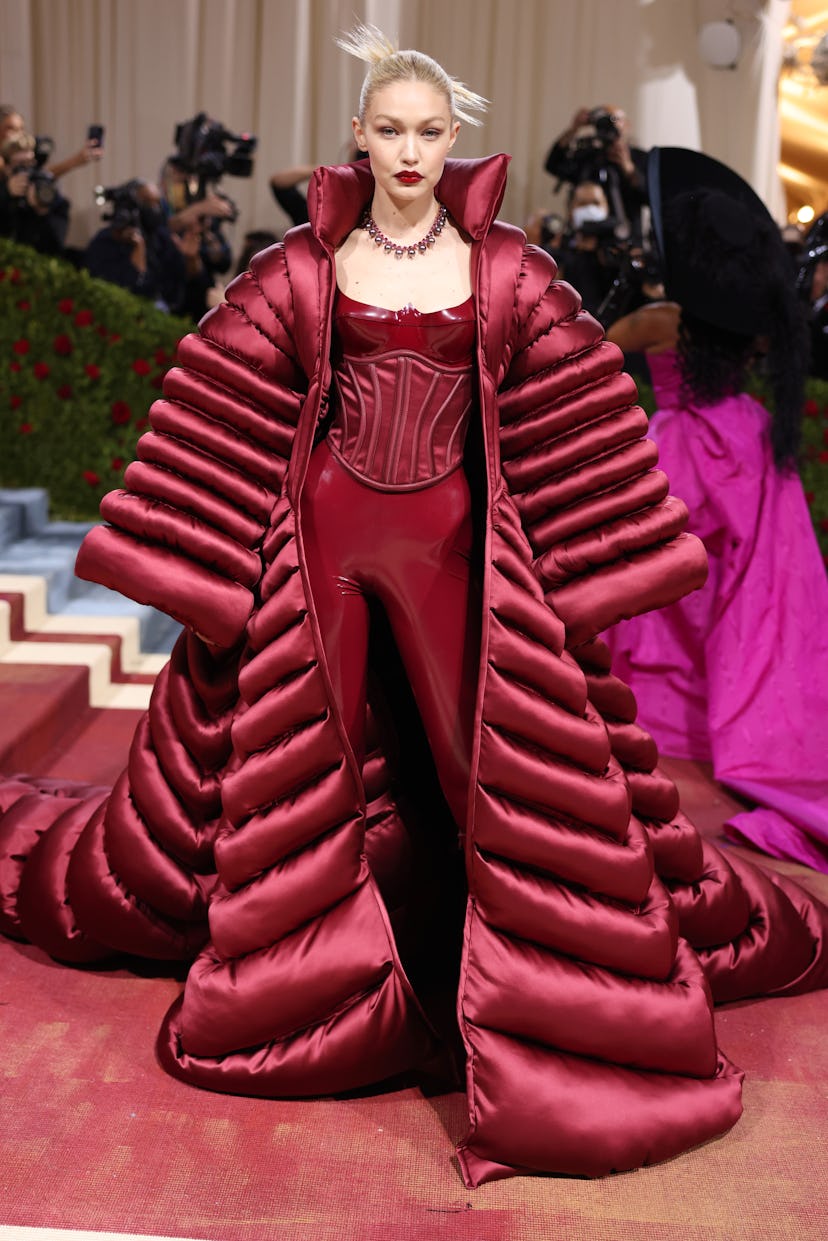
(165, 240)
(603, 243)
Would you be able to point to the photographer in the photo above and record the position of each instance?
(32, 209)
(204, 153)
(12, 125)
(136, 249)
(582, 258)
(595, 147)
(196, 227)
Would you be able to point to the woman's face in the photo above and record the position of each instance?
(407, 132)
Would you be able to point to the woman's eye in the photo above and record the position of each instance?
(432, 133)
(387, 131)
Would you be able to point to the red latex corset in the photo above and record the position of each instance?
(403, 388)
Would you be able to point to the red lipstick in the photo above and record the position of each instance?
(408, 178)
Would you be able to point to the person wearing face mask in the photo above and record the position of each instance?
(582, 260)
(596, 146)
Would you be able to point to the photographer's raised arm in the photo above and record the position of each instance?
(88, 153)
(556, 159)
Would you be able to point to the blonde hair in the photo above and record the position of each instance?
(16, 144)
(388, 64)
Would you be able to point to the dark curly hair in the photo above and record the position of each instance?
(716, 363)
(734, 280)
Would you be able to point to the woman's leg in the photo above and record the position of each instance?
(424, 586)
(333, 529)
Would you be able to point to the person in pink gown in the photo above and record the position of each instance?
(735, 674)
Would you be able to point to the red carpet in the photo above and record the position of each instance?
(94, 1136)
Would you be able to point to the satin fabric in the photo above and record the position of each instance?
(244, 836)
(737, 673)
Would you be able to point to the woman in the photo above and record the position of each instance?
(734, 675)
(261, 826)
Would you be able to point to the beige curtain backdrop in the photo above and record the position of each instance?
(270, 67)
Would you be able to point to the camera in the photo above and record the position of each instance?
(635, 267)
(588, 155)
(606, 130)
(589, 150)
(208, 151)
(125, 206)
(41, 181)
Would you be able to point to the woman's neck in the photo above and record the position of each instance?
(403, 221)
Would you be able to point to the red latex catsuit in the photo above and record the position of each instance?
(387, 515)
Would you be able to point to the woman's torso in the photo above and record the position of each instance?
(402, 390)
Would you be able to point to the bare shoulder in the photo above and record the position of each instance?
(653, 328)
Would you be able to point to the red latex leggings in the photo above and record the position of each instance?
(410, 551)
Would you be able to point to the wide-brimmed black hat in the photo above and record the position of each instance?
(721, 251)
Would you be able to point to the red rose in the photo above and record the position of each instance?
(141, 366)
(16, 402)
(114, 338)
(823, 457)
(24, 305)
(101, 330)
(83, 318)
(21, 346)
(2, 273)
(811, 409)
(823, 524)
(25, 428)
(160, 356)
(810, 496)
(63, 344)
(93, 371)
(89, 476)
(121, 413)
(66, 306)
(141, 423)
(64, 392)
(117, 463)
(40, 370)
(15, 366)
(157, 381)
(825, 435)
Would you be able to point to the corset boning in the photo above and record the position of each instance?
(402, 391)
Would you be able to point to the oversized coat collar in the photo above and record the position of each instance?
(471, 189)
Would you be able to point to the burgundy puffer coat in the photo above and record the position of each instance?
(598, 925)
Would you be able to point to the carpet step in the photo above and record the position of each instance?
(30, 544)
(72, 688)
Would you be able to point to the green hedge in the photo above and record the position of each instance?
(81, 361)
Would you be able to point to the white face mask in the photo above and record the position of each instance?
(589, 213)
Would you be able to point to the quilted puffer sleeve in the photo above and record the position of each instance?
(607, 538)
(185, 531)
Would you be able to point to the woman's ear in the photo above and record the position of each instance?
(359, 134)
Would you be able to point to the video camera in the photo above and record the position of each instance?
(125, 209)
(208, 151)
